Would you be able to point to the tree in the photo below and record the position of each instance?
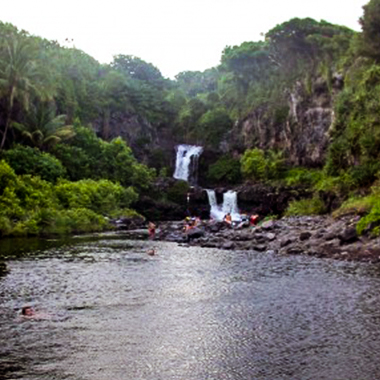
(299, 42)
(136, 68)
(197, 82)
(19, 76)
(112, 96)
(43, 129)
(370, 23)
(213, 126)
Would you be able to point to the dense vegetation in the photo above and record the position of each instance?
(71, 128)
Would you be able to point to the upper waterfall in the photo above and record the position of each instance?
(187, 162)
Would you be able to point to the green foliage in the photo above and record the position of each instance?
(301, 42)
(27, 160)
(7, 175)
(355, 146)
(101, 196)
(138, 69)
(314, 206)
(112, 160)
(302, 176)
(196, 82)
(256, 165)
(372, 218)
(368, 207)
(340, 185)
(42, 128)
(20, 76)
(249, 61)
(80, 220)
(32, 206)
(355, 205)
(225, 170)
(370, 22)
(253, 164)
(177, 193)
(213, 126)
(77, 163)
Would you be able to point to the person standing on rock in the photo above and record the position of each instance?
(151, 230)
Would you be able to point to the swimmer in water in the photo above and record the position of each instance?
(27, 311)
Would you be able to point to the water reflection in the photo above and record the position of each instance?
(187, 313)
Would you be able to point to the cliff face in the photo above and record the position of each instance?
(300, 128)
(151, 144)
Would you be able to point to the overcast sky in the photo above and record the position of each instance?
(173, 35)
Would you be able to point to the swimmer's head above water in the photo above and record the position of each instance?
(27, 311)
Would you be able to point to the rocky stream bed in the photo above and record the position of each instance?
(320, 236)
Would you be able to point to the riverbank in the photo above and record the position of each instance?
(320, 236)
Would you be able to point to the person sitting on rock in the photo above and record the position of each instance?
(244, 221)
(253, 219)
(228, 219)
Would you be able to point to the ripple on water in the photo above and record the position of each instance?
(187, 313)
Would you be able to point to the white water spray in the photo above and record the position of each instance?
(187, 161)
(229, 205)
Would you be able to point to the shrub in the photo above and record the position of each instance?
(112, 160)
(340, 185)
(83, 220)
(302, 176)
(32, 206)
(77, 162)
(225, 169)
(253, 164)
(373, 217)
(7, 175)
(257, 165)
(27, 160)
(314, 206)
(355, 205)
(5, 226)
(103, 197)
(177, 193)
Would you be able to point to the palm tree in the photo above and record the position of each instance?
(19, 76)
(43, 128)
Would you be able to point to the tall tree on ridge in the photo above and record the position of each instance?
(19, 77)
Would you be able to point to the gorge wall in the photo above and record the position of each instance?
(301, 130)
(299, 126)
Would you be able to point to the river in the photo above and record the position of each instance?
(185, 313)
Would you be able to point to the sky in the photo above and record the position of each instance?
(173, 35)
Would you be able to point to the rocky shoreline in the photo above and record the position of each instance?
(319, 236)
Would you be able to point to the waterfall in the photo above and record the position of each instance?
(187, 162)
(229, 205)
(215, 211)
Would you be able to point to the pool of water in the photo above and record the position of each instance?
(115, 312)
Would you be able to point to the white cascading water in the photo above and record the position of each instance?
(215, 211)
(187, 159)
(230, 205)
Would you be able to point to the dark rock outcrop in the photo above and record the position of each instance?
(284, 238)
(299, 127)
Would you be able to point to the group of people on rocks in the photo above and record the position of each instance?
(192, 222)
(245, 221)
